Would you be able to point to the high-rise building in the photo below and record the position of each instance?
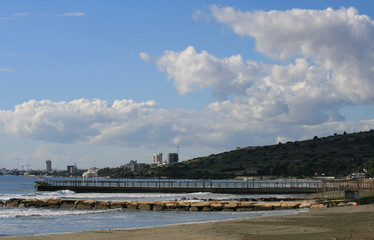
(157, 158)
(173, 158)
(49, 165)
(72, 169)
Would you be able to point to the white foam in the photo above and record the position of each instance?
(43, 212)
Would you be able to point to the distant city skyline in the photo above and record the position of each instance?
(99, 83)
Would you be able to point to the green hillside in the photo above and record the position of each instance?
(337, 155)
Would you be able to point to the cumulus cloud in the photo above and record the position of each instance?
(80, 120)
(327, 62)
(340, 41)
(194, 71)
(130, 124)
(299, 92)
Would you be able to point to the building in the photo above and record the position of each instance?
(133, 162)
(131, 165)
(139, 167)
(173, 158)
(48, 165)
(72, 169)
(157, 158)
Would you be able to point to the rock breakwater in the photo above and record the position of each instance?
(205, 206)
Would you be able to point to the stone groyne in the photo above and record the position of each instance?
(166, 205)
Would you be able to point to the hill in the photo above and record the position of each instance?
(337, 155)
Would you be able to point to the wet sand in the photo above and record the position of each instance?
(356, 222)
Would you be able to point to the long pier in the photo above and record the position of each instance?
(180, 186)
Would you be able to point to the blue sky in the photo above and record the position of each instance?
(99, 83)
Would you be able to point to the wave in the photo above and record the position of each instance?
(42, 212)
(132, 196)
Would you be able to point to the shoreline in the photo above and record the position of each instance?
(291, 212)
(353, 222)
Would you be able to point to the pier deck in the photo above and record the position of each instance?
(176, 186)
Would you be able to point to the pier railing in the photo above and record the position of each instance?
(335, 189)
(162, 183)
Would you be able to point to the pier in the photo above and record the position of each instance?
(180, 186)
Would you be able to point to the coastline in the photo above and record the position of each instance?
(355, 222)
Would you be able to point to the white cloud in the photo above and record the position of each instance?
(6, 18)
(326, 63)
(194, 71)
(199, 15)
(340, 41)
(145, 57)
(6, 69)
(327, 57)
(296, 93)
(14, 16)
(21, 14)
(73, 14)
(130, 124)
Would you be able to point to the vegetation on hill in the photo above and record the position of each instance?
(337, 155)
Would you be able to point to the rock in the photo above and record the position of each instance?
(216, 206)
(203, 205)
(117, 204)
(101, 205)
(290, 205)
(194, 209)
(317, 206)
(183, 206)
(206, 209)
(21, 205)
(170, 206)
(68, 203)
(245, 206)
(199, 206)
(132, 205)
(231, 206)
(158, 206)
(33, 202)
(52, 202)
(86, 204)
(145, 206)
(13, 202)
(304, 205)
(263, 206)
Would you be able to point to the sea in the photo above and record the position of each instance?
(43, 221)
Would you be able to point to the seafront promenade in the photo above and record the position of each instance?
(181, 186)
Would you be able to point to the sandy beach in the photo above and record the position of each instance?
(356, 222)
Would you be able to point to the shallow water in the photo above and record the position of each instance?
(28, 221)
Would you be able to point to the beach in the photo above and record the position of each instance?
(355, 222)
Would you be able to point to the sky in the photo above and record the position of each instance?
(98, 83)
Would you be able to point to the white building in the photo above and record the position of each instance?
(157, 158)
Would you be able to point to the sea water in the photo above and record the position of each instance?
(33, 221)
